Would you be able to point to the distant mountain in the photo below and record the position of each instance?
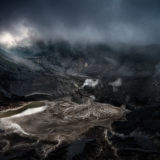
(54, 68)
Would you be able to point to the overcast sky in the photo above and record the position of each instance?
(128, 21)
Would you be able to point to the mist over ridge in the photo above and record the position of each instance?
(112, 21)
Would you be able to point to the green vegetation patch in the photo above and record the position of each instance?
(19, 110)
(5, 62)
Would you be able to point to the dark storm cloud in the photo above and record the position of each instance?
(113, 20)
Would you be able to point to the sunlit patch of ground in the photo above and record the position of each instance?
(12, 112)
(60, 120)
(6, 117)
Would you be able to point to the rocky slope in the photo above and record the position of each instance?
(126, 76)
